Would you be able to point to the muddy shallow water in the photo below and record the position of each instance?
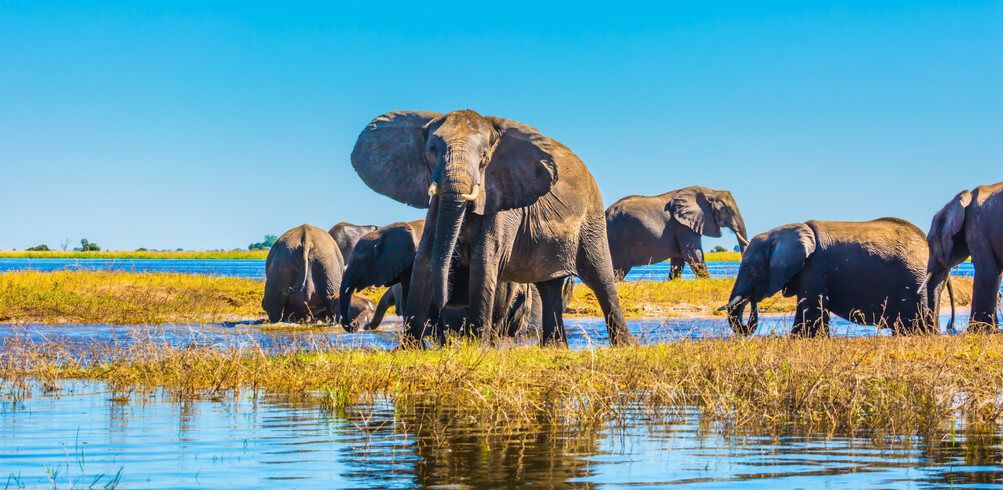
(81, 434)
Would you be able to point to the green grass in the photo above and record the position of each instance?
(122, 254)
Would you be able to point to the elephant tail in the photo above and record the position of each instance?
(950, 294)
(306, 263)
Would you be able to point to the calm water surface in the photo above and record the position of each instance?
(83, 435)
(255, 269)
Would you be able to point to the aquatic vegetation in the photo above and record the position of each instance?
(153, 298)
(872, 386)
(137, 254)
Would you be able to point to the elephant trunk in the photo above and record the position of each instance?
(348, 288)
(449, 220)
(735, 313)
(741, 233)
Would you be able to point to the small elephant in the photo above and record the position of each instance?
(385, 258)
(867, 272)
(346, 234)
(511, 203)
(302, 276)
(644, 230)
(971, 224)
(360, 312)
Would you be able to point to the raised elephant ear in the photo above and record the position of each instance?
(952, 220)
(389, 156)
(791, 247)
(691, 207)
(520, 169)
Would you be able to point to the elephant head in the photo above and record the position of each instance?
(769, 263)
(705, 211)
(948, 248)
(380, 258)
(453, 163)
(346, 234)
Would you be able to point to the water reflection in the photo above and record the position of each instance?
(84, 434)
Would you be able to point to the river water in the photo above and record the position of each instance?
(255, 269)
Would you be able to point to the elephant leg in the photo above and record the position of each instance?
(984, 297)
(386, 301)
(676, 268)
(488, 253)
(419, 300)
(811, 318)
(274, 304)
(596, 271)
(553, 320)
(693, 256)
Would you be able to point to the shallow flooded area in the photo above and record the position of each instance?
(82, 434)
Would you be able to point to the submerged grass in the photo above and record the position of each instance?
(137, 254)
(154, 298)
(922, 385)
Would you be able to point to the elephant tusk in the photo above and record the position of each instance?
(731, 304)
(473, 194)
(432, 189)
(742, 240)
(922, 286)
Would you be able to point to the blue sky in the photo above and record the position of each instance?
(208, 124)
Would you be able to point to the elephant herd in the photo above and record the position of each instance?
(512, 215)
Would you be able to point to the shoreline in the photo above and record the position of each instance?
(126, 298)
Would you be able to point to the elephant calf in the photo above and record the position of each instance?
(646, 229)
(385, 258)
(866, 272)
(302, 276)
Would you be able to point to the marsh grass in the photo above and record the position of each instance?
(126, 298)
(138, 254)
(880, 386)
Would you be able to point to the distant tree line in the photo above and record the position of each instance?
(264, 244)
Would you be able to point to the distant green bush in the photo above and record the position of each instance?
(719, 249)
(87, 246)
(38, 248)
(264, 244)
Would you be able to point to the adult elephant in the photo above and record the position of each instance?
(513, 204)
(867, 272)
(345, 234)
(385, 258)
(302, 276)
(647, 229)
(971, 224)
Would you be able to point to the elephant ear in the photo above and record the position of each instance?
(791, 247)
(389, 156)
(692, 208)
(520, 169)
(395, 254)
(952, 219)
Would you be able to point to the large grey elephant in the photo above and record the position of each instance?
(513, 204)
(971, 224)
(648, 229)
(345, 234)
(302, 276)
(867, 272)
(385, 258)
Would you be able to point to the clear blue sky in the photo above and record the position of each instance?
(208, 124)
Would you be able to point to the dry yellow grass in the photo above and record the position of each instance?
(884, 385)
(154, 298)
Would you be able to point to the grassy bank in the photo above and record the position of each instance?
(142, 254)
(891, 385)
(155, 298)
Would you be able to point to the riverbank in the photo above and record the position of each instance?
(155, 298)
(921, 385)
